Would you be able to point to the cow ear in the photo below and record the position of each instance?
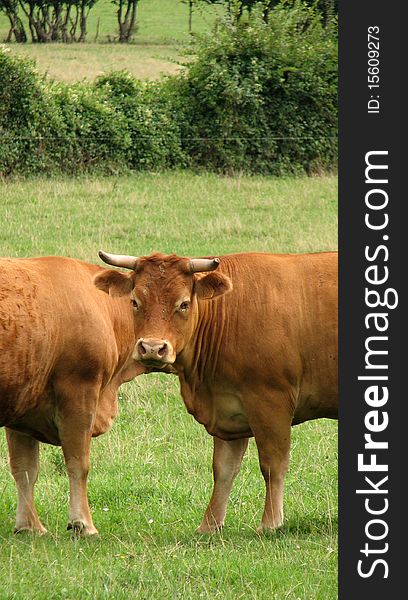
(114, 283)
(212, 285)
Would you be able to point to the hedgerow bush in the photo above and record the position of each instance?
(27, 117)
(48, 127)
(256, 97)
(153, 128)
(263, 97)
(117, 123)
(93, 134)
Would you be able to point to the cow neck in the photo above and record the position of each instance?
(199, 360)
(122, 319)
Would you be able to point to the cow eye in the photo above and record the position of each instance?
(184, 306)
(134, 303)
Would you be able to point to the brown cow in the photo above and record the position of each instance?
(65, 348)
(254, 344)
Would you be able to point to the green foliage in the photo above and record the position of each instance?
(258, 97)
(153, 130)
(27, 119)
(112, 125)
(93, 132)
(328, 9)
(262, 97)
(54, 127)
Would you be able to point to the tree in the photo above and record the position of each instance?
(126, 14)
(10, 9)
(57, 20)
(238, 6)
(190, 14)
(328, 9)
(83, 8)
(235, 8)
(192, 4)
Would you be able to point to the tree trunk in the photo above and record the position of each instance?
(266, 10)
(55, 23)
(74, 25)
(64, 25)
(97, 29)
(82, 23)
(119, 13)
(16, 28)
(133, 18)
(128, 22)
(7, 40)
(19, 32)
(30, 17)
(190, 16)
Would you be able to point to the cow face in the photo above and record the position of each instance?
(163, 292)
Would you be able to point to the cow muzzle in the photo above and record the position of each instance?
(154, 352)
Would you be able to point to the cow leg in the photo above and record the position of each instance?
(23, 454)
(274, 464)
(75, 421)
(227, 459)
(76, 448)
(273, 442)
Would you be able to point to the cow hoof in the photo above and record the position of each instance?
(76, 528)
(264, 528)
(38, 530)
(205, 528)
(80, 529)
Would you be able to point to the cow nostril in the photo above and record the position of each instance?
(142, 349)
(162, 350)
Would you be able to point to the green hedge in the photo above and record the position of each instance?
(153, 130)
(256, 97)
(263, 97)
(47, 127)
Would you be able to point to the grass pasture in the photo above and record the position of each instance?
(76, 62)
(155, 49)
(151, 475)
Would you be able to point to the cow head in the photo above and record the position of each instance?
(163, 291)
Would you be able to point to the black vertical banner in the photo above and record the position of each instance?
(372, 316)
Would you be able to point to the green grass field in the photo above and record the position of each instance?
(151, 475)
(75, 62)
(156, 48)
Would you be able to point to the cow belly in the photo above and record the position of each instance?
(39, 422)
(228, 420)
(317, 404)
(20, 392)
(220, 411)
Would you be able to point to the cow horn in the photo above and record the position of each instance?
(119, 260)
(198, 265)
